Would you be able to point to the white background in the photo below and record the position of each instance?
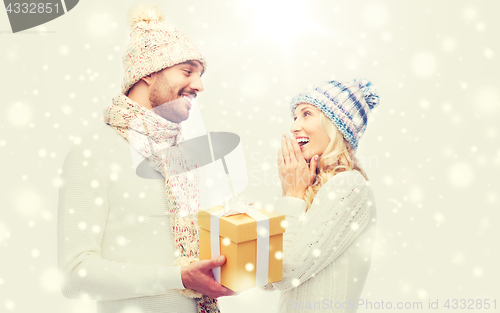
(431, 149)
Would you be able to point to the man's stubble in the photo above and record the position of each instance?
(165, 101)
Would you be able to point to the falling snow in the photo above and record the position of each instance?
(435, 136)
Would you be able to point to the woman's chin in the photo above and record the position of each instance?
(307, 157)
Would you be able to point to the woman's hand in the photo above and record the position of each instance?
(295, 174)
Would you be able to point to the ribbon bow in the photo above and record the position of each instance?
(236, 205)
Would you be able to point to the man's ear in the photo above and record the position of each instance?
(150, 79)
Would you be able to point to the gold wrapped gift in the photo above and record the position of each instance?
(238, 242)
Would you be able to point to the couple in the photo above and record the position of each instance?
(115, 244)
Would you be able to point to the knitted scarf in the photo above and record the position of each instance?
(151, 134)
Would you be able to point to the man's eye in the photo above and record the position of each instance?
(188, 72)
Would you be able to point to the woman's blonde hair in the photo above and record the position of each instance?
(339, 156)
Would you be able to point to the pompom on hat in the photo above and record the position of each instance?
(154, 45)
(347, 104)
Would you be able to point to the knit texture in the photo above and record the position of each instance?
(347, 104)
(327, 250)
(152, 135)
(154, 45)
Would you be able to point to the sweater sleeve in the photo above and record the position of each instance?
(82, 214)
(293, 209)
(338, 215)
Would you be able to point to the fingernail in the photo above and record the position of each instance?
(221, 258)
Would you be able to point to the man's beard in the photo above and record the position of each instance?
(168, 107)
(161, 96)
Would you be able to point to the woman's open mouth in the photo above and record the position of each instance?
(302, 141)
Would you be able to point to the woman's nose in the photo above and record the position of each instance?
(295, 126)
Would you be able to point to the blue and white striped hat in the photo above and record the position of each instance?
(347, 104)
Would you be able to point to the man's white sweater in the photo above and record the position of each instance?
(114, 238)
(327, 250)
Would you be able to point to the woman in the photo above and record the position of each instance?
(328, 203)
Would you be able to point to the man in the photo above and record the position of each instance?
(119, 234)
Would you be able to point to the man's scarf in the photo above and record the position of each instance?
(156, 139)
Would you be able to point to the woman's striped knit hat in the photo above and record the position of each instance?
(154, 44)
(347, 104)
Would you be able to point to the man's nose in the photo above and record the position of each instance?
(197, 84)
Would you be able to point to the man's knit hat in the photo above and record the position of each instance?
(154, 45)
(347, 104)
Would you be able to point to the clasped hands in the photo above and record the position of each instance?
(295, 174)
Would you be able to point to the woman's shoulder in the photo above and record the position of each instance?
(343, 182)
(343, 185)
(347, 178)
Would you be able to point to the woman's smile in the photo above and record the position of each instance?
(307, 131)
(302, 141)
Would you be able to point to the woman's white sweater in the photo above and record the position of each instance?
(327, 250)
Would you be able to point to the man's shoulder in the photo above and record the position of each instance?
(104, 132)
(100, 139)
(101, 142)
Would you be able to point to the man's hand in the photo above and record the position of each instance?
(198, 276)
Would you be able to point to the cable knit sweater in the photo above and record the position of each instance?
(327, 250)
(115, 241)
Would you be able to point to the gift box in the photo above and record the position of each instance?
(253, 253)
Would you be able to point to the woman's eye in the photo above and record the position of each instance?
(306, 113)
(294, 118)
(188, 72)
